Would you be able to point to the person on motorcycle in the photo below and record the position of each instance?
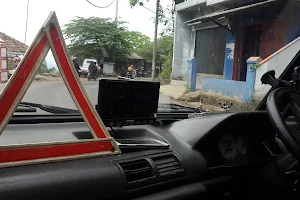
(92, 70)
(75, 62)
(130, 72)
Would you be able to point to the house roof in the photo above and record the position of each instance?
(218, 14)
(12, 44)
(135, 56)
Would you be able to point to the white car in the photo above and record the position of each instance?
(85, 66)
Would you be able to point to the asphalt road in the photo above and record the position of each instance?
(55, 93)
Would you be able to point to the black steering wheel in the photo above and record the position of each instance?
(292, 99)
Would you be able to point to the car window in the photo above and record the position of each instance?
(210, 54)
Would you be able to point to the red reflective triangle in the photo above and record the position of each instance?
(50, 37)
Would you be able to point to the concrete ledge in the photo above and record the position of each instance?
(214, 100)
(234, 89)
(187, 4)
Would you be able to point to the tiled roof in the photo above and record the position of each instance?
(135, 56)
(12, 44)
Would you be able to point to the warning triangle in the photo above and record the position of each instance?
(50, 37)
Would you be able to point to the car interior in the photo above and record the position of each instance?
(223, 155)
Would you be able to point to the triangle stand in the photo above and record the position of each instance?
(50, 37)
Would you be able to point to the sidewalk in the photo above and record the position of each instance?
(174, 91)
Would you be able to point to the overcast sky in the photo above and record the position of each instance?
(13, 15)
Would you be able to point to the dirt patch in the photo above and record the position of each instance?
(50, 74)
(208, 107)
(39, 79)
(214, 100)
(47, 77)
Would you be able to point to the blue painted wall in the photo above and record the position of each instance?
(236, 89)
(229, 55)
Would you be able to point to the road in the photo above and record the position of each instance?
(55, 93)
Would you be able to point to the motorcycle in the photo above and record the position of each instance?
(129, 75)
(92, 75)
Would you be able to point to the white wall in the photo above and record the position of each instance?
(188, 3)
(183, 38)
(278, 62)
(212, 2)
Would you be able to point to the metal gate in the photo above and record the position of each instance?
(210, 50)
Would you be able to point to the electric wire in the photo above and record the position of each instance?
(100, 6)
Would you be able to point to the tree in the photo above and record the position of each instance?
(165, 15)
(43, 68)
(52, 70)
(167, 63)
(94, 37)
(137, 40)
(133, 2)
(146, 51)
(164, 49)
(168, 19)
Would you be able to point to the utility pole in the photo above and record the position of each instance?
(26, 21)
(155, 41)
(117, 10)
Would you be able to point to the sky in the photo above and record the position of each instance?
(13, 16)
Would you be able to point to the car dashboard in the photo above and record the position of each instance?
(197, 147)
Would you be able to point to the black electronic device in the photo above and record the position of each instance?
(127, 102)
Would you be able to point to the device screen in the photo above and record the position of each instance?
(121, 99)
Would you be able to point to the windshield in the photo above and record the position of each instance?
(208, 53)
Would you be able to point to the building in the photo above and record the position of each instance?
(223, 34)
(15, 49)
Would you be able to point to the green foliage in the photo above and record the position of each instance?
(168, 19)
(165, 15)
(167, 64)
(167, 68)
(133, 2)
(137, 40)
(164, 47)
(146, 51)
(164, 54)
(94, 37)
(44, 68)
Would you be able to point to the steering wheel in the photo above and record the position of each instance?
(292, 96)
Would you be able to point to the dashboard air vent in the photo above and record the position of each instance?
(168, 165)
(137, 170)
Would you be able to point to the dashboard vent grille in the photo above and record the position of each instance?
(137, 170)
(168, 165)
